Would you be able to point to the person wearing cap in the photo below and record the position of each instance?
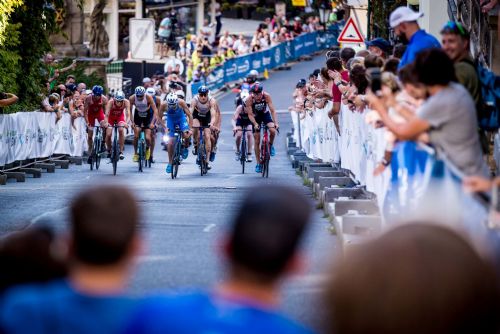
(404, 22)
(379, 47)
(147, 82)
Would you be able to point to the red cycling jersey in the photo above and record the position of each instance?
(95, 110)
(117, 113)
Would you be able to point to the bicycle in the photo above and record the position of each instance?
(96, 149)
(115, 150)
(265, 149)
(243, 157)
(201, 150)
(141, 148)
(177, 157)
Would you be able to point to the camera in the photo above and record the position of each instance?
(375, 76)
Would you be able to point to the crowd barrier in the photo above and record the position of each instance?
(32, 135)
(419, 183)
(238, 67)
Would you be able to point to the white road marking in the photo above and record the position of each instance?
(208, 228)
(155, 258)
(47, 214)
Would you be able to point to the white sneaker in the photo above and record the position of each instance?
(249, 158)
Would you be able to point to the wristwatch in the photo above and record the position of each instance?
(384, 162)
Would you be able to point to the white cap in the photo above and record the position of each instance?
(146, 80)
(88, 91)
(403, 14)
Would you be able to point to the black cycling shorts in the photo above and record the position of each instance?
(203, 118)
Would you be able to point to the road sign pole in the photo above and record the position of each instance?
(143, 69)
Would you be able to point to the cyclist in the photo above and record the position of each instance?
(241, 121)
(93, 109)
(256, 106)
(152, 92)
(216, 131)
(144, 111)
(176, 111)
(117, 110)
(246, 85)
(204, 114)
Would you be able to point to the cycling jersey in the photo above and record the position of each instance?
(202, 111)
(243, 119)
(262, 114)
(176, 117)
(143, 115)
(95, 110)
(117, 114)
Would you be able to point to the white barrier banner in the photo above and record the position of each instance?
(29, 135)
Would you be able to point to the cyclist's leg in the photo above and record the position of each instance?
(108, 132)
(121, 133)
(171, 141)
(147, 134)
(238, 136)
(196, 133)
(137, 131)
(272, 132)
(249, 138)
(90, 137)
(207, 133)
(256, 137)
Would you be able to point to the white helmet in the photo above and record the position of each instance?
(180, 94)
(244, 94)
(253, 73)
(151, 91)
(140, 91)
(119, 96)
(172, 100)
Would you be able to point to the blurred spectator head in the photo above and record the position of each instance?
(357, 75)
(415, 279)
(409, 79)
(332, 54)
(346, 54)
(266, 232)
(379, 47)
(399, 50)
(71, 87)
(104, 222)
(324, 75)
(391, 65)
(81, 87)
(48, 58)
(54, 99)
(70, 79)
(362, 53)
(334, 64)
(301, 83)
(147, 82)
(434, 67)
(373, 61)
(390, 80)
(455, 40)
(29, 256)
(355, 61)
(404, 22)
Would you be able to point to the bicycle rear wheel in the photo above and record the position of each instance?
(243, 154)
(265, 158)
(114, 154)
(141, 155)
(97, 156)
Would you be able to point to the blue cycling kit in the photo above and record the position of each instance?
(176, 117)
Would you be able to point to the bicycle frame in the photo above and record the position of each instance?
(202, 154)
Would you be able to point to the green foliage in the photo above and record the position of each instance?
(379, 16)
(79, 73)
(6, 8)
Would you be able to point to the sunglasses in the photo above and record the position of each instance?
(455, 27)
(203, 94)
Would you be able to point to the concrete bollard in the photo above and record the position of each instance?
(19, 176)
(64, 164)
(363, 206)
(309, 167)
(328, 171)
(3, 179)
(76, 160)
(332, 182)
(36, 172)
(49, 167)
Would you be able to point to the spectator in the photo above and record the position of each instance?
(404, 22)
(164, 32)
(104, 242)
(339, 76)
(226, 40)
(362, 53)
(52, 72)
(456, 44)
(237, 43)
(30, 256)
(297, 26)
(206, 31)
(191, 45)
(373, 61)
(182, 52)
(206, 49)
(228, 53)
(70, 79)
(429, 279)
(346, 54)
(7, 99)
(82, 87)
(261, 251)
(256, 46)
(147, 82)
(398, 51)
(197, 56)
(379, 47)
(391, 65)
(218, 59)
(51, 104)
(448, 114)
(189, 71)
(243, 48)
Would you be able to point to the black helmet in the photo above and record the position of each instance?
(256, 88)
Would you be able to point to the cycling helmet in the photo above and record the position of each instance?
(256, 88)
(97, 90)
(252, 76)
(151, 91)
(172, 100)
(203, 90)
(119, 96)
(140, 91)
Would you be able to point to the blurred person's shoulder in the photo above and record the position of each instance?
(174, 313)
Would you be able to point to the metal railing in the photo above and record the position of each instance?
(468, 12)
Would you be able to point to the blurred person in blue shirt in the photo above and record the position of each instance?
(404, 22)
(103, 242)
(261, 250)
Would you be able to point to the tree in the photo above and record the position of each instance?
(6, 8)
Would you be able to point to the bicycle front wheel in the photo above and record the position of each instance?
(141, 155)
(243, 154)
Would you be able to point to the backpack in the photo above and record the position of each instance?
(488, 114)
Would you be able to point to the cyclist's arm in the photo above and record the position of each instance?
(213, 114)
(272, 110)
(128, 113)
(163, 108)
(107, 110)
(249, 111)
(86, 109)
(188, 113)
(236, 115)
(8, 101)
(131, 100)
(155, 110)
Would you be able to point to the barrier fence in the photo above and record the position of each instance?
(236, 68)
(32, 135)
(419, 183)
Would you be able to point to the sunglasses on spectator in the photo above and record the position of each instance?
(456, 28)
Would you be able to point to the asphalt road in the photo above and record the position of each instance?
(184, 218)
